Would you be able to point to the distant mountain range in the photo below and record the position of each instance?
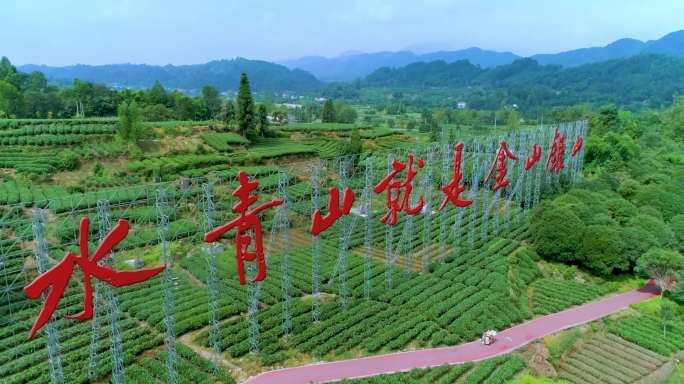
(308, 73)
(222, 74)
(644, 80)
(353, 66)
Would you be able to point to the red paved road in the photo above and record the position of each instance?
(507, 341)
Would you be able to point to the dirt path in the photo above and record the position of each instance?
(507, 341)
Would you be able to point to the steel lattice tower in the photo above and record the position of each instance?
(284, 229)
(207, 205)
(161, 204)
(316, 245)
(443, 217)
(53, 347)
(368, 235)
(475, 183)
(427, 213)
(111, 302)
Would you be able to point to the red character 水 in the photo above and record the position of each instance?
(57, 277)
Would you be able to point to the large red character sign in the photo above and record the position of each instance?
(247, 248)
(578, 145)
(536, 156)
(320, 223)
(398, 200)
(454, 188)
(554, 162)
(57, 278)
(501, 170)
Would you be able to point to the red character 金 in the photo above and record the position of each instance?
(395, 201)
(320, 223)
(57, 277)
(536, 156)
(454, 188)
(500, 162)
(578, 145)
(554, 162)
(247, 221)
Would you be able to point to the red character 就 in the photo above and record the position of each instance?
(57, 277)
(398, 200)
(245, 223)
(502, 156)
(454, 188)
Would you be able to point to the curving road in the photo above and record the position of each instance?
(507, 341)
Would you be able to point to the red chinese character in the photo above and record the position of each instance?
(578, 145)
(455, 188)
(500, 162)
(58, 276)
(536, 156)
(247, 221)
(396, 202)
(554, 162)
(320, 223)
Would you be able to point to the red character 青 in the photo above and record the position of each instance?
(320, 223)
(536, 156)
(246, 222)
(554, 162)
(398, 200)
(502, 156)
(454, 188)
(57, 277)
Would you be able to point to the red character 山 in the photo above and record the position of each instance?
(246, 222)
(536, 156)
(57, 277)
(320, 223)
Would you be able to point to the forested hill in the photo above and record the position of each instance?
(643, 80)
(222, 74)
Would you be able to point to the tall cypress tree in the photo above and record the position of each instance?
(244, 115)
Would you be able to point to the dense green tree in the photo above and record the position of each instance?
(356, 146)
(347, 115)
(157, 95)
(228, 112)
(556, 232)
(328, 112)
(129, 126)
(661, 265)
(211, 101)
(246, 120)
(262, 126)
(601, 250)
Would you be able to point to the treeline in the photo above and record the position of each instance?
(633, 83)
(628, 213)
(25, 95)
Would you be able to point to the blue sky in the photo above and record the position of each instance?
(61, 32)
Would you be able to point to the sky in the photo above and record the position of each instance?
(64, 32)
